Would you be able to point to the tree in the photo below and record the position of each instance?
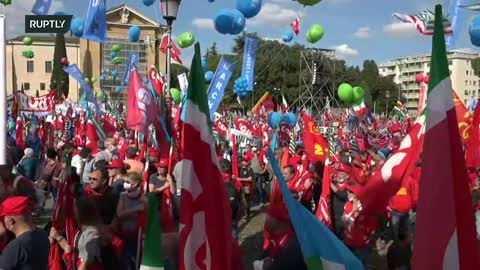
(476, 66)
(59, 80)
(213, 49)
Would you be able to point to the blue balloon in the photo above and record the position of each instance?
(148, 2)
(59, 13)
(249, 8)
(118, 90)
(474, 31)
(223, 21)
(274, 119)
(288, 36)
(134, 33)
(102, 78)
(113, 54)
(209, 76)
(238, 22)
(204, 63)
(290, 119)
(124, 83)
(211, 1)
(76, 27)
(114, 74)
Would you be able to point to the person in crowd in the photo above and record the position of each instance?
(338, 187)
(28, 165)
(30, 248)
(107, 150)
(52, 169)
(235, 195)
(257, 169)
(284, 252)
(77, 162)
(133, 164)
(399, 254)
(304, 187)
(130, 205)
(99, 190)
(400, 206)
(246, 178)
(288, 173)
(116, 174)
(248, 155)
(89, 161)
(163, 185)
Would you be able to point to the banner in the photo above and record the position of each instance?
(455, 13)
(142, 109)
(248, 66)
(95, 27)
(75, 72)
(41, 7)
(28, 104)
(219, 82)
(132, 61)
(183, 81)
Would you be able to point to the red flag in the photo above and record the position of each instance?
(234, 156)
(157, 82)
(175, 50)
(221, 128)
(141, 110)
(296, 26)
(323, 212)
(387, 180)
(19, 133)
(315, 145)
(472, 150)
(464, 117)
(243, 125)
(91, 135)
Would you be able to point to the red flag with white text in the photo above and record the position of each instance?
(141, 110)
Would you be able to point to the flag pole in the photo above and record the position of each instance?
(3, 95)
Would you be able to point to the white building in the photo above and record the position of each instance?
(405, 70)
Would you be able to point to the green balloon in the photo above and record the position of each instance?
(94, 79)
(27, 41)
(186, 40)
(309, 2)
(345, 92)
(116, 48)
(117, 60)
(87, 80)
(358, 93)
(100, 96)
(176, 95)
(315, 33)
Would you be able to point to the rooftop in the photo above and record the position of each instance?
(457, 53)
(45, 38)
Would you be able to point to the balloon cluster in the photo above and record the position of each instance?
(27, 41)
(287, 36)
(232, 21)
(28, 54)
(118, 89)
(6, 2)
(76, 26)
(240, 87)
(474, 31)
(176, 95)
(422, 78)
(186, 40)
(134, 33)
(349, 94)
(116, 48)
(209, 76)
(275, 118)
(315, 33)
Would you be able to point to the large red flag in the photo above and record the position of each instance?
(323, 210)
(445, 235)
(472, 150)
(464, 117)
(157, 82)
(175, 50)
(315, 145)
(141, 110)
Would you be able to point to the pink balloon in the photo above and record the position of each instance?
(64, 60)
(420, 78)
(426, 79)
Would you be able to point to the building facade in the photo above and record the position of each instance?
(405, 69)
(91, 57)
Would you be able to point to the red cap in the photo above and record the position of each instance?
(341, 167)
(154, 153)
(15, 206)
(95, 151)
(115, 164)
(163, 163)
(279, 212)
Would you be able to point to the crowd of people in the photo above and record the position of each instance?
(107, 186)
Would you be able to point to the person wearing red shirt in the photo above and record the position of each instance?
(248, 155)
(304, 187)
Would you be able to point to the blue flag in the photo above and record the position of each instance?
(321, 249)
(248, 66)
(75, 72)
(132, 62)
(455, 14)
(95, 27)
(219, 82)
(41, 7)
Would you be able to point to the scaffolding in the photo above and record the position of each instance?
(316, 92)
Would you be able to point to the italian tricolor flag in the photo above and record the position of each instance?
(445, 237)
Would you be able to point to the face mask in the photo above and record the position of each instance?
(127, 186)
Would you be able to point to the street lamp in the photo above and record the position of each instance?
(169, 11)
(387, 95)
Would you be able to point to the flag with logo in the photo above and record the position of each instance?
(423, 22)
(315, 145)
(264, 105)
(142, 110)
(219, 82)
(464, 117)
(174, 50)
(321, 249)
(445, 236)
(95, 27)
(206, 219)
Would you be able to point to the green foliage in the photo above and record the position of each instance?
(476, 66)
(278, 66)
(176, 70)
(59, 79)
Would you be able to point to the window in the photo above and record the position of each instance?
(26, 86)
(466, 82)
(467, 72)
(48, 66)
(42, 86)
(466, 92)
(474, 83)
(30, 66)
(449, 62)
(473, 93)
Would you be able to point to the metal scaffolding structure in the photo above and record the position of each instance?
(317, 87)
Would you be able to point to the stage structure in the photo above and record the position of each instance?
(317, 86)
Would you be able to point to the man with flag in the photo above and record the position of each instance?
(445, 235)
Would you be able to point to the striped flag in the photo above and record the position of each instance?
(423, 22)
(445, 235)
(206, 219)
